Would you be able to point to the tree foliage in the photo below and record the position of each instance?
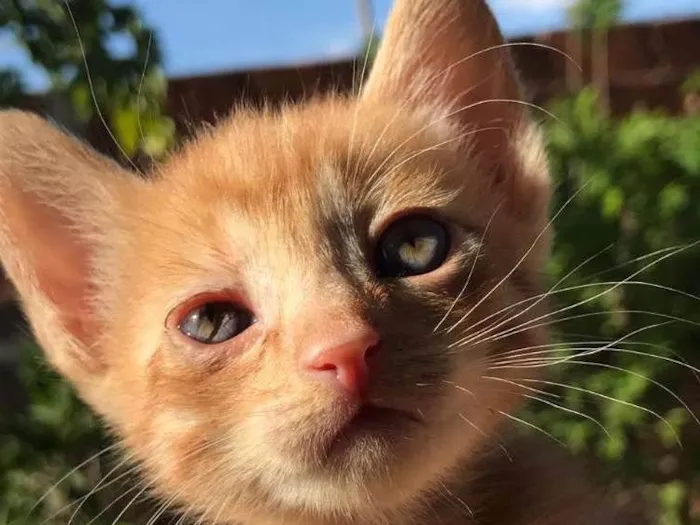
(595, 14)
(624, 274)
(41, 446)
(98, 56)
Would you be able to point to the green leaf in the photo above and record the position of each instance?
(125, 122)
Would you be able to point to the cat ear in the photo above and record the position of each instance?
(57, 205)
(448, 57)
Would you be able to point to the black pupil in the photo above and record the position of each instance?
(412, 246)
(215, 322)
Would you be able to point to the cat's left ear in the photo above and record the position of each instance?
(59, 205)
(448, 59)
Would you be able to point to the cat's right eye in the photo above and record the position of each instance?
(412, 245)
(215, 322)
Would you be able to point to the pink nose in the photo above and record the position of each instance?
(342, 359)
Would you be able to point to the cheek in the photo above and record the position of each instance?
(181, 444)
(190, 460)
(198, 432)
(238, 412)
(189, 410)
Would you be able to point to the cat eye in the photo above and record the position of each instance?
(413, 245)
(215, 322)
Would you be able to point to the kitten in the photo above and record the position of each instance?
(292, 320)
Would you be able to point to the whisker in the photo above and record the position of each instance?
(524, 327)
(92, 89)
(543, 349)
(102, 483)
(538, 298)
(471, 270)
(437, 146)
(565, 346)
(458, 499)
(450, 114)
(529, 425)
(623, 338)
(485, 436)
(162, 509)
(81, 501)
(128, 505)
(431, 81)
(683, 364)
(141, 83)
(607, 398)
(514, 44)
(114, 502)
(555, 290)
(459, 387)
(675, 396)
(613, 286)
(183, 516)
(554, 405)
(69, 474)
(100, 486)
(521, 260)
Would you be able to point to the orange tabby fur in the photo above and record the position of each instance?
(281, 209)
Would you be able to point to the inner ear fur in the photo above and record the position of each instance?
(58, 208)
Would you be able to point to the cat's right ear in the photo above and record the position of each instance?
(59, 206)
(448, 59)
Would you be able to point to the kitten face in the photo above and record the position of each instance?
(293, 237)
(284, 222)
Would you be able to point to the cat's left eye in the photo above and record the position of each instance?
(215, 322)
(413, 245)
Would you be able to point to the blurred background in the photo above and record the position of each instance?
(134, 77)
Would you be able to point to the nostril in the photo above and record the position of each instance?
(344, 365)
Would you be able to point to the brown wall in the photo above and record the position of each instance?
(648, 63)
(193, 100)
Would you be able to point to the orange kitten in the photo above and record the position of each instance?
(291, 320)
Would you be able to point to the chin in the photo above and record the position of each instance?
(375, 459)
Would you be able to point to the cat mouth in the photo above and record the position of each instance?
(371, 423)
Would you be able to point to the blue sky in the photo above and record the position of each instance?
(205, 36)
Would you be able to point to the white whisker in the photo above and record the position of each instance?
(92, 89)
(70, 473)
(529, 425)
(471, 270)
(609, 398)
(520, 261)
(552, 404)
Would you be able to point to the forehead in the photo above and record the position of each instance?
(323, 161)
(285, 194)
